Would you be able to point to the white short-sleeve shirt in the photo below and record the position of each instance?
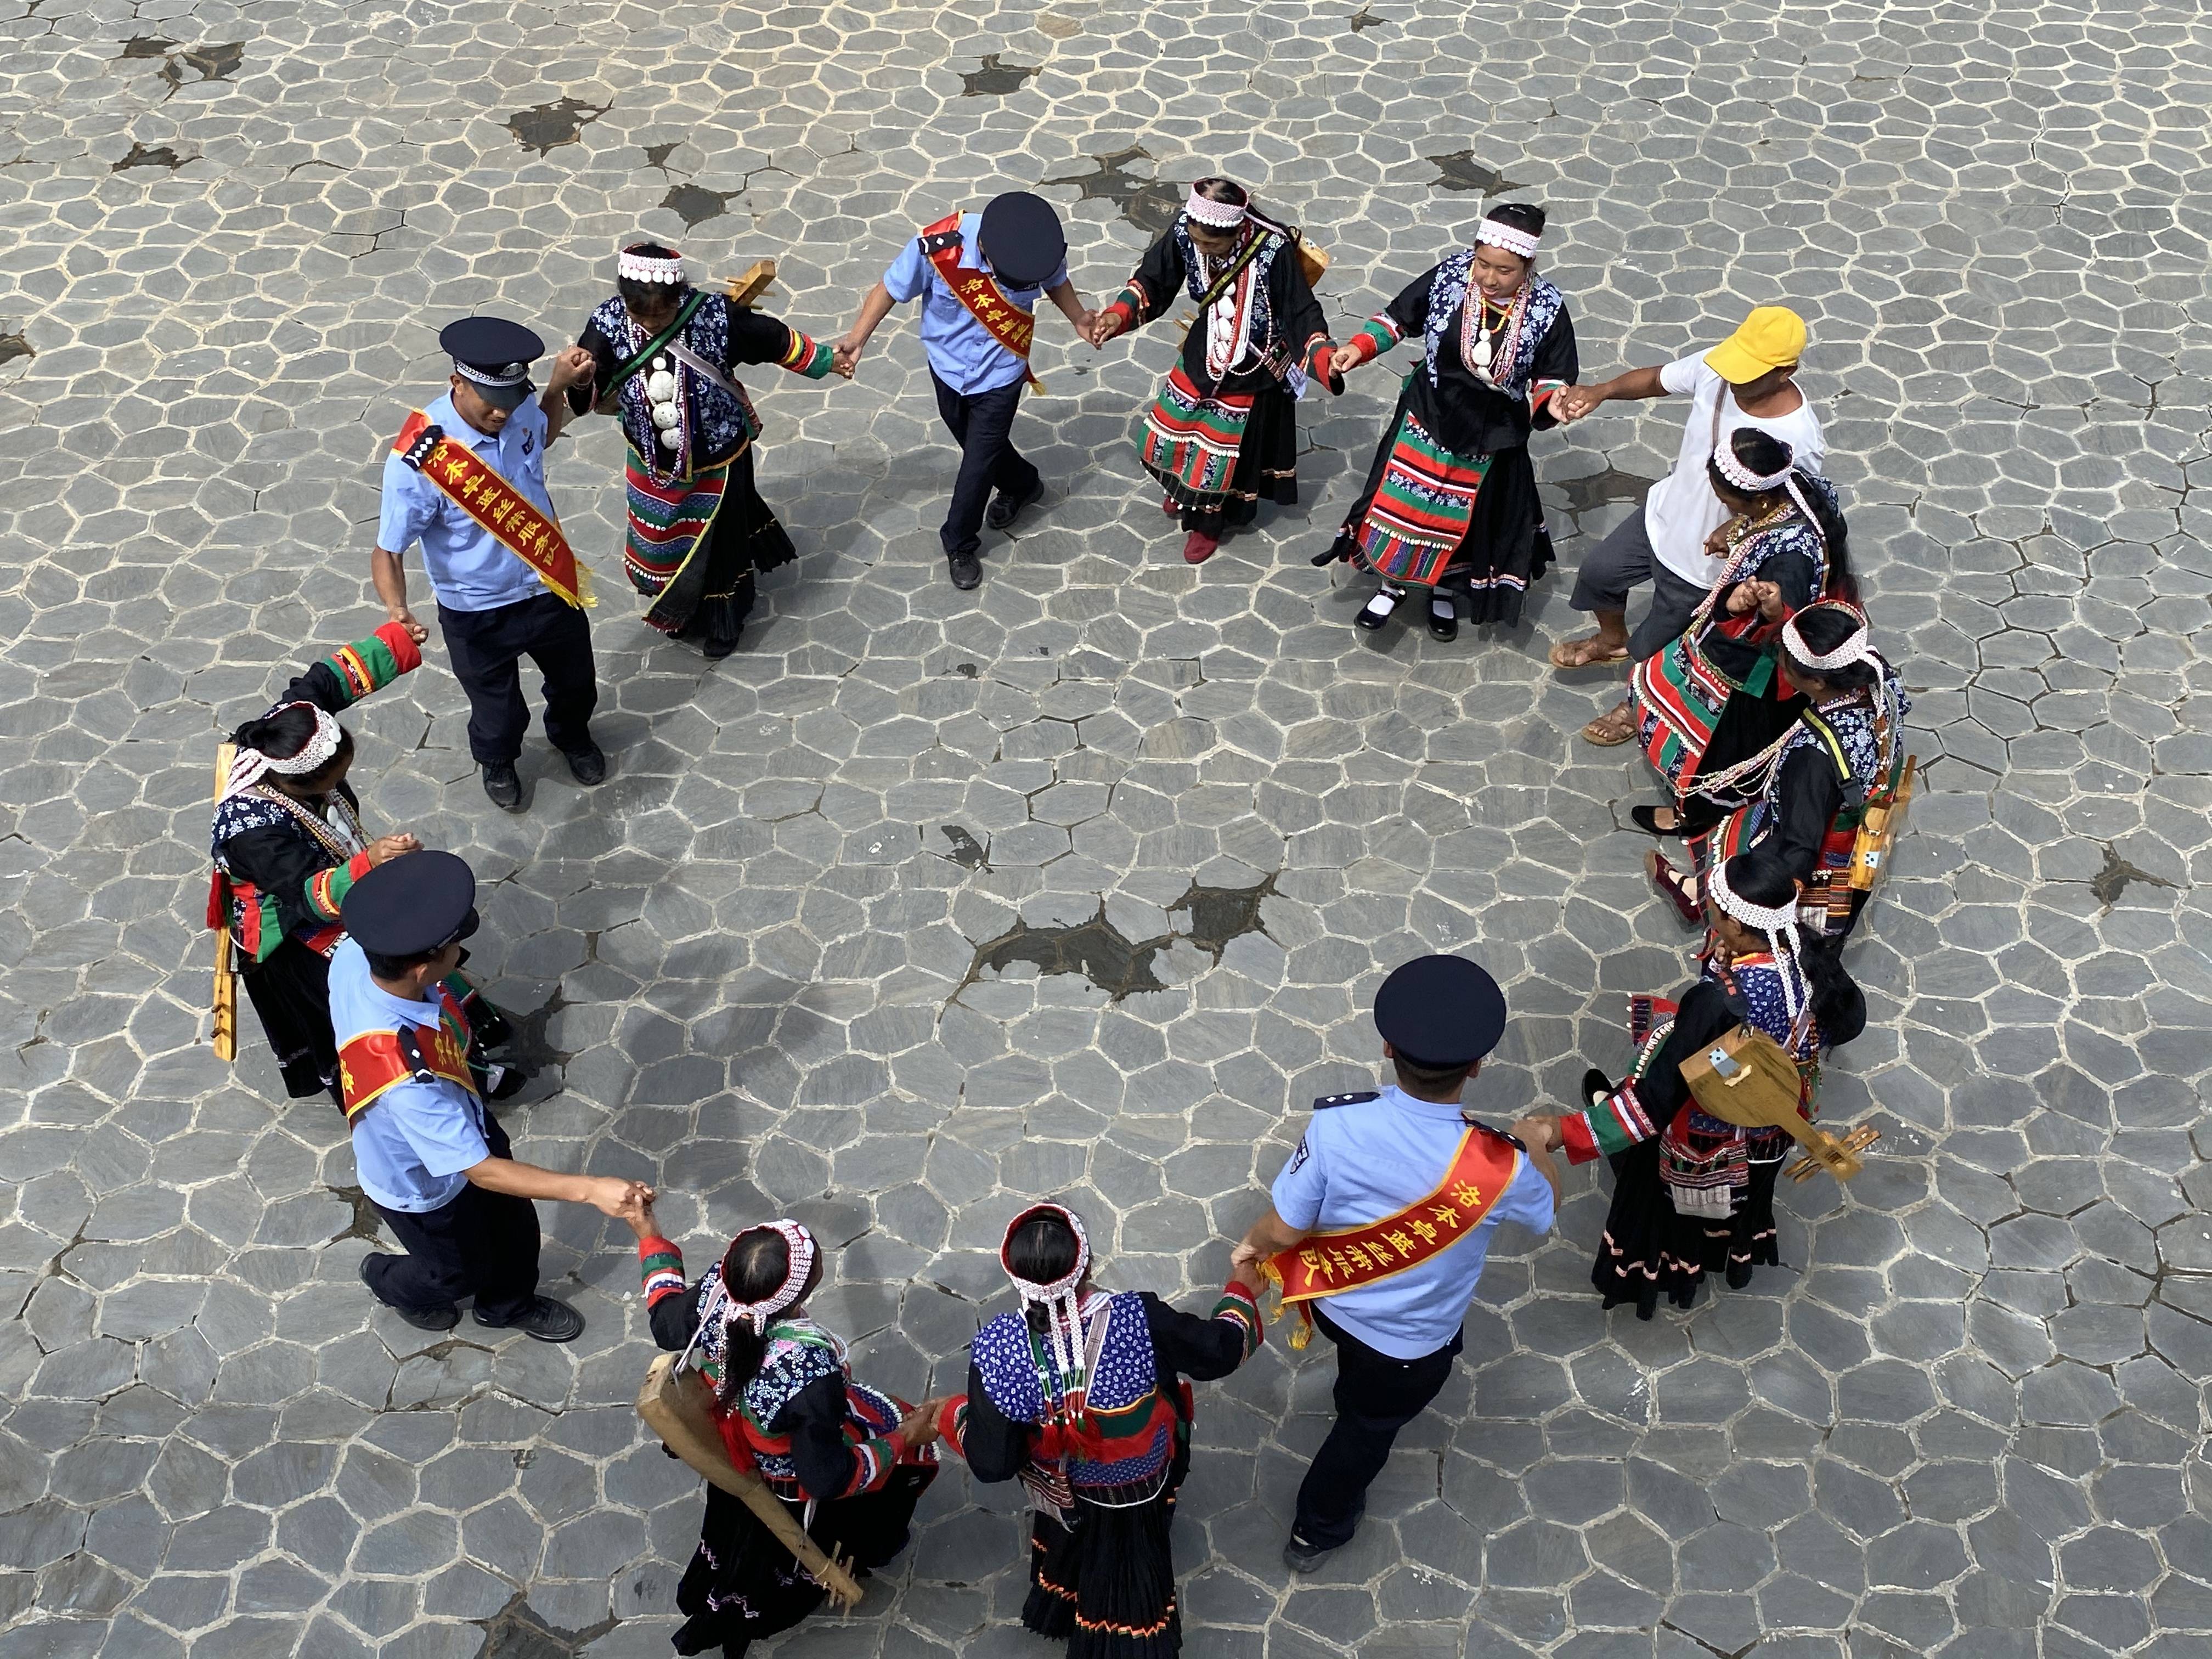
(1681, 510)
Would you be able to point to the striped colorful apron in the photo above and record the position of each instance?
(1421, 509)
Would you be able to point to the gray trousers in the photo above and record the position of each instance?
(1625, 560)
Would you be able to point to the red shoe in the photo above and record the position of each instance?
(1677, 889)
(1198, 547)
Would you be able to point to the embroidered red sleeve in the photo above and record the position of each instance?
(661, 1264)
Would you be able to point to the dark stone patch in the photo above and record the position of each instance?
(1599, 487)
(530, 1046)
(695, 204)
(997, 79)
(1460, 171)
(1117, 965)
(215, 63)
(148, 45)
(12, 346)
(515, 1633)
(966, 670)
(2109, 883)
(161, 156)
(1218, 914)
(1364, 18)
(547, 126)
(1150, 204)
(656, 155)
(366, 1219)
(967, 851)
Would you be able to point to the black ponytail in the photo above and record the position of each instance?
(754, 1266)
(283, 732)
(1041, 1251)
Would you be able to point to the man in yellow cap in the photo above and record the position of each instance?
(1747, 380)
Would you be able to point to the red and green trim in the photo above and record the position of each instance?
(1128, 309)
(326, 889)
(661, 1265)
(1319, 349)
(371, 663)
(807, 356)
(1242, 1309)
(1612, 1125)
(1374, 337)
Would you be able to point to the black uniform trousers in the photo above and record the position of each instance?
(1376, 1396)
(487, 648)
(981, 424)
(479, 1244)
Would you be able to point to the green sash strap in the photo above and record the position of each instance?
(683, 314)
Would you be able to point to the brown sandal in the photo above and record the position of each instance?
(1614, 727)
(1567, 655)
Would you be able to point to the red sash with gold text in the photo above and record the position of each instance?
(1328, 1264)
(510, 517)
(377, 1060)
(1007, 323)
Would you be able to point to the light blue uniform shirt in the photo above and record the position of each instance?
(962, 351)
(1366, 1159)
(470, 568)
(411, 1145)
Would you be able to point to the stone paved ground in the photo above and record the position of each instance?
(1966, 1420)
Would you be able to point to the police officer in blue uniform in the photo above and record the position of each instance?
(1368, 1156)
(1018, 242)
(493, 608)
(436, 1163)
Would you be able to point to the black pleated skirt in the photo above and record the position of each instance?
(1651, 1250)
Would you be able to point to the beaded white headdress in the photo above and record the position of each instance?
(1777, 921)
(649, 268)
(1063, 1311)
(1511, 238)
(248, 765)
(1215, 215)
(799, 1248)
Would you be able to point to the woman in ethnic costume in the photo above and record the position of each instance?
(699, 533)
(1079, 1397)
(850, 1459)
(1451, 502)
(1693, 1195)
(287, 843)
(1811, 786)
(1223, 433)
(1712, 701)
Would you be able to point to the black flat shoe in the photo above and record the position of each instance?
(503, 785)
(1444, 619)
(1004, 509)
(1646, 819)
(965, 569)
(546, 1321)
(1597, 1086)
(426, 1319)
(588, 765)
(1378, 611)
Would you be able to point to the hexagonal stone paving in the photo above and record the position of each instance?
(925, 903)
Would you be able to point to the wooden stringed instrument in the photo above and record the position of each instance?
(676, 1406)
(1743, 1077)
(223, 1002)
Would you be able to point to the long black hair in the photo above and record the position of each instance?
(1041, 1251)
(1760, 877)
(753, 1267)
(283, 732)
(1824, 628)
(1764, 453)
(635, 293)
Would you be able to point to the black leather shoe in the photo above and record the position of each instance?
(431, 1319)
(1444, 619)
(1301, 1557)
(547, 1321)
(502, 784)
(1597, 1086)
(588, 765)
(967, 570)
(1004, 509)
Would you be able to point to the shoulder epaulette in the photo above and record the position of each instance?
(1352, 1099)
(1477, 1123)
(417, 453)
(937, 243)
